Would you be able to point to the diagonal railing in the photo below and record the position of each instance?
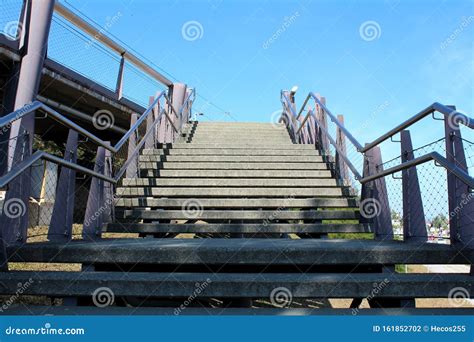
(369, 178)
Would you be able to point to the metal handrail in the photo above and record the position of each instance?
(37, 105)
(451, 167)
(333, 142)
(41, 155)
(449, 114)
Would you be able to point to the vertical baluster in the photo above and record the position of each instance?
(460, 197)
(341, 144)
(60, 228)
(132, 169)
(414, 225)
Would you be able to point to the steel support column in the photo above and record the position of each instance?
(414, 225)
(341, 166)
(38, 19)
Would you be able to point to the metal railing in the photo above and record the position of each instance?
(370, 179)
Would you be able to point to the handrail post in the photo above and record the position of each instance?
(119, 84)
(374, 205)
(177, 99)
(151, 140)
(96, 201)
(341, 143)
(414, 226)
(132, 169)
(460, 197)
(60, 228)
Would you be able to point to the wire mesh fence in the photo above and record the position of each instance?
(10, 18)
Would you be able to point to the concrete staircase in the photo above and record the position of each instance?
(242, 211)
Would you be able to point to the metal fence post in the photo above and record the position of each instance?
(93, 219)
(460, 197)
(132, 168)
(374, 205)
(151, 139)
(414, 225)
(14, 219)
(60, 228)
(119, 84)
(341, 143)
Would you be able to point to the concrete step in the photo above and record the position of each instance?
(239, 134)
(222, 203)
(235, 285)
(242, 145)
(231, 192)
(240, 251)
(232, 166)
(193, 212)
(231, 182)
(238, 124)
(235, 173)
(233, 159)
(234, 140)
(235, 228)
(228, 152)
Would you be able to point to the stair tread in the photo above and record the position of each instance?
(240, 251)
(242, 203)
(237, 228)
(246, 285)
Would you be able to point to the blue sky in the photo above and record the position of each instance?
(374, 83)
